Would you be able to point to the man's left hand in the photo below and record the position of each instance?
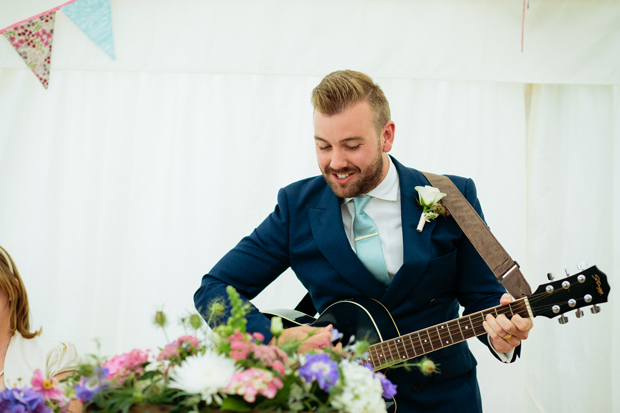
(506, 334)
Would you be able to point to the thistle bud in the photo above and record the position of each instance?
(160, 318)
(276, 326)
(216, 309)
(195, 321)
(427, 367)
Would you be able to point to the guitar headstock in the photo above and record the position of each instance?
(588, 287)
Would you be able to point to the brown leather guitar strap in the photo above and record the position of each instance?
(506, 270)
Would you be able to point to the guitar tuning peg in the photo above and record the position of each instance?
(582, 265)
(563, 319)
(579, 313)
(566, 272)
(550, 276)
(595, 309)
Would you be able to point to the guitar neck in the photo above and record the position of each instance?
(419, 343)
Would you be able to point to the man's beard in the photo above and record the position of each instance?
(367, 181)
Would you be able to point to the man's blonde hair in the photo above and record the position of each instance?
(338, 90)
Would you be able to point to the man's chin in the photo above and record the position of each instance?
(348, 190)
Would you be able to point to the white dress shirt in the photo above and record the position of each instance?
(384, 209)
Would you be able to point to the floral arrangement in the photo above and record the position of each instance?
(430, 199)
(229, 369)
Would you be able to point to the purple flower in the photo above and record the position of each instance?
(25, 400)
(336, 335)
(389, 389)
(91, 385)
(321, 368)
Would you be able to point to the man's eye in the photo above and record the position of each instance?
(353, 147)
(323, 148)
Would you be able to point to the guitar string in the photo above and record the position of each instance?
(451, 334)
(546, 294)
(454, 327)
(555, 291)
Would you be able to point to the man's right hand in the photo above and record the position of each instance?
(321, 337)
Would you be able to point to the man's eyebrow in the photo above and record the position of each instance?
(352, 138)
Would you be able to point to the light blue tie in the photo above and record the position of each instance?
(367, 242)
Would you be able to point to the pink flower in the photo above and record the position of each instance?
(121, 366)
(270, 354)
(278, 366)
(258, 337)
(189, 339)
(169, 351)
(48, 388)
(238, 350)
(253, 382)
(239, 346)
(179, 349)
(272, 388)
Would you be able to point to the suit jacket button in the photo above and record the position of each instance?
(417, 387)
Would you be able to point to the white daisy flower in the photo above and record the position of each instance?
(206, 374)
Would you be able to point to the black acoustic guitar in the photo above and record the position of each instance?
(368, 319)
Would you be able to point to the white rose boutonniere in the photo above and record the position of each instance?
(429, 198)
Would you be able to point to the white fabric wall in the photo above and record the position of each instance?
(126, 180)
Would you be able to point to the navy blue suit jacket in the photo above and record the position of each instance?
(441, 270)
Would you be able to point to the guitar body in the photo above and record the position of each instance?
(361, 318)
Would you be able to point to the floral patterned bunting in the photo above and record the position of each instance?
(33, 42)
(94, 17)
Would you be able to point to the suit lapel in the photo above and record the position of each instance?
(329, 235)
(416, 245)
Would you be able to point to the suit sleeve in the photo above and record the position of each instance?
(477, 287)
(249, 267)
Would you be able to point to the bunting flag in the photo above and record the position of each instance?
(33, 42)
(32, 39)
(94, 17)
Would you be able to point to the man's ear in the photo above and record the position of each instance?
(387, 136)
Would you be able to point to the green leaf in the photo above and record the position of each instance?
(235, 405)
(149, 375)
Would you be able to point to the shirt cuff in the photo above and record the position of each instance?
(503, 357)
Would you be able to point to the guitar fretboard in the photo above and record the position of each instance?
(419, 343)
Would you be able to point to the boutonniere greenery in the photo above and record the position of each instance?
(429, 198)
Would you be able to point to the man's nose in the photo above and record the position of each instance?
(339, 160)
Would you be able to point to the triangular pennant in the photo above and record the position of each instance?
(33, 42)
(94, 17)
